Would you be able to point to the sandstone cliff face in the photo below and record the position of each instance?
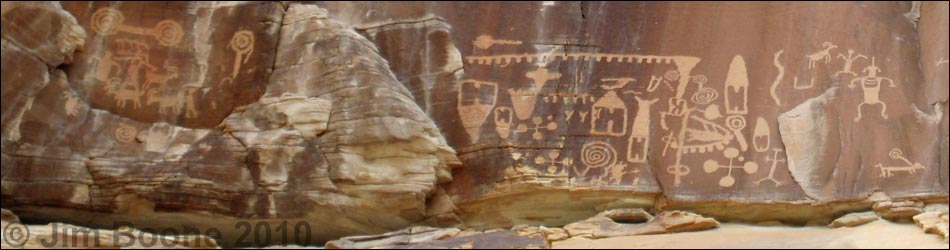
(355, 116)
(166, 114)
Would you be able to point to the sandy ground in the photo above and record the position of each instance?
(879, 234)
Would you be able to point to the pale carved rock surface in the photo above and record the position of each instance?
(854, 219)
(620, 223)
(934, 223)
(207, 114)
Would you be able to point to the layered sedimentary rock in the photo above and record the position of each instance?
(745, 111)
(212, 114)
(354, 116)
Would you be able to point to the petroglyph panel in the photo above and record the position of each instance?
(155, 67)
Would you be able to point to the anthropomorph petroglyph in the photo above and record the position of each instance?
(504, 118)
(871, 84)
(897, 154)
(823, 54)
(849, 62)
(109, 21)
(775, 161)
(475, 102)
(638, 144)
(486, 41)
(737, 87)
(732, 154)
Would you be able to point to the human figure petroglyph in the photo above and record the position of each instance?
(638, 144)
(71, 104)
(897, 154)
(486, 41)
(823, 54)
(775, 161)
(849, 62)
(109, 21)
(166, 104)
(871, 84)
(732, 154)
(778, 79)
(475, 102)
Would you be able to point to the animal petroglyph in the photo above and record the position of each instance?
(823, 54)
(897, 154)
(475, 101)
(778, 79)
(775, 161)
(153, 78)
(166, 104)
(849, 62)
(732, 154)
(126, 133)
(609, 113)
(71, 104)
(871, 84)
(124, 93)
(109, 21)
(737, 87)
(486, 41)
(638, 144)
(762, 136)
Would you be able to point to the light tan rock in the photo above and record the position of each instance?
(630, 222)
(854, 219)
(408, 236)
(901, 211)
(934, 223)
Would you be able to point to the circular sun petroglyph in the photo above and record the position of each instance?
(125, 133)
(106, 21)
(242, 42)
(168, 33)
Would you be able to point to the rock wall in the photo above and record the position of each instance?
(366, 117)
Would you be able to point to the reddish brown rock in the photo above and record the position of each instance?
(212, 114)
